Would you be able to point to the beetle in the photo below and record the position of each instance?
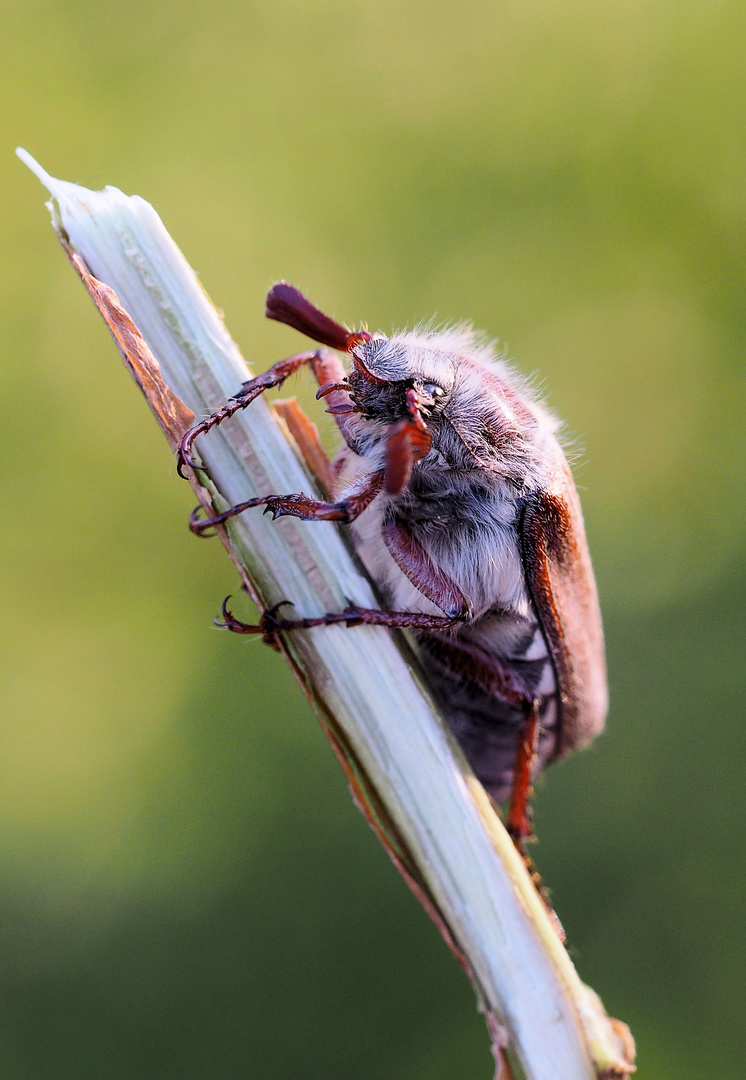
(463, 509)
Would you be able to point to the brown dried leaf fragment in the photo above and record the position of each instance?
(306, 436)
(169, 410)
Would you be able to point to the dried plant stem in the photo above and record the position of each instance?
(405, 770)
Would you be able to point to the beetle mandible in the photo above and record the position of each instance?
(463, 509)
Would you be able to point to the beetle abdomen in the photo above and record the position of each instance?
(485, 695)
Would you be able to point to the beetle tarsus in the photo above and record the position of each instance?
(249, 391)
(330, 387)
(304, 507)
(184, 452)
(270, 624)
(296, 505)
(200, 526)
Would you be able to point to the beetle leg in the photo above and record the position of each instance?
(299, 506)
(413, 560)
(519, 822)
(248, 392)
(270, 624)
(407, 443)
(330, 374)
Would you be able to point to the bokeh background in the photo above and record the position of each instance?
(185, 888)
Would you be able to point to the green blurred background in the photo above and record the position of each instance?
(185, 888)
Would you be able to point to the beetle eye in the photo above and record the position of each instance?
(433, 389)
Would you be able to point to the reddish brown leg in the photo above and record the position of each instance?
(271, 624)
(248, 392)
(519, 823)
(331, 377)
(300, 506)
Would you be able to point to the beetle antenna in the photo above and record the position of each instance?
(286, 304)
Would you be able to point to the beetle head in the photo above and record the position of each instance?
(402, 385)
(385, 370)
